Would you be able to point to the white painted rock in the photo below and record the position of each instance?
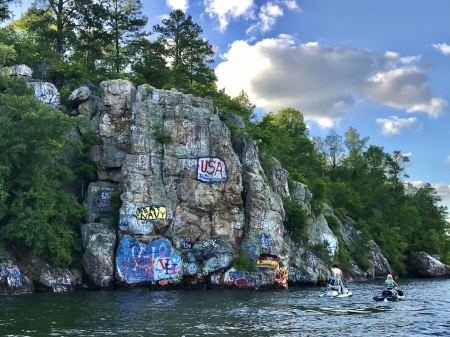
(20, 70)
(80, 95)
(46, 92)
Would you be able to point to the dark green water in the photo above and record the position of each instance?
(296, 312)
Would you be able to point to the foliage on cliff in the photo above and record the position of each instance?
(36, 211)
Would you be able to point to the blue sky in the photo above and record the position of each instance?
(379, 66)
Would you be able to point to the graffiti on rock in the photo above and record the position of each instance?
(137, 226)
(151, 213)
(142, 163)
(100, 200)
(214, 279)
(12, 276)
(163, 282)
(281, 276)
(47, 93)
(249, 158)
(186, 244)
(211, 170)
(279, 233)
(237, 241)
(266, 259)
(140, 262)
(312, 262)
(60, 282)
(210, 242)
(137, 128)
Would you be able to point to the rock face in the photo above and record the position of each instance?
(424, 265)
(12, 281)
(20, 70)
(80, 95)
(351, 236)
(302, 195)
(182, 215)
(99, 240)
(278, 179)
(305, 268)
(55, 279)
(46, 92)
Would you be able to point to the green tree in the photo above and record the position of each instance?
(36, 212)
(126, 21)
(57, 20)
(189, 52)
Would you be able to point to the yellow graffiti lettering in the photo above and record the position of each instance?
(151, 213)
(267, 262)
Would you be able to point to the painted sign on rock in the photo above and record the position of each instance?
(100, 200)
(151, 213)
(211, 170)
(140, 262)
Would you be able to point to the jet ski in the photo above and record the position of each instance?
(388, 295)
(332, 292)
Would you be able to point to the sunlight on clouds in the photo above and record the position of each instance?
(292, 5)
(394, 125)
(178, 4)
(227, 10)
(324, 83)
(444, 48)
(268, 17)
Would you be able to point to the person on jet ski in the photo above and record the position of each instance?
(336, 280)
(390, 283)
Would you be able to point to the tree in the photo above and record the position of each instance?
(4, 9)
(151, 65)
(57, 20)
(189, 52)
(334, 148)
(92, 37)
(36, 211)
(126, 21)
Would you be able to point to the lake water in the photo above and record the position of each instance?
(295, 312)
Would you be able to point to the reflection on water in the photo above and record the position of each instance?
(296, 312)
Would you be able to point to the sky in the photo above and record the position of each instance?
(381, 67)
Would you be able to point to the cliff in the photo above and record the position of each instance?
(196, 208)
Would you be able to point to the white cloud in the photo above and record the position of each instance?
(292, 5)
(405, 88)
(410, 59)
(394, 125)
(445, 48)
(324, 83)
(268, 17)
(227, 10)
(178, 4)
(407, 154)
(442, 190)
(447, 160)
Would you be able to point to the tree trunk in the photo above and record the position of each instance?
(59, 27)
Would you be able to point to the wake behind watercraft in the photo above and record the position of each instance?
(333, 292)
(388, 295)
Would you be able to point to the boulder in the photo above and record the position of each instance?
(55, 279)
(278, 179)
(306, 269)
(20, 70)
(97, 201)
(302, 195)
(79, 95)
(45, 92)
(99, 241)
(424, 265)
(321, 233)
(12, 280)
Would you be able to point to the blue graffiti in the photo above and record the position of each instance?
(140, 262)
(137, 226)
(236, 274)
